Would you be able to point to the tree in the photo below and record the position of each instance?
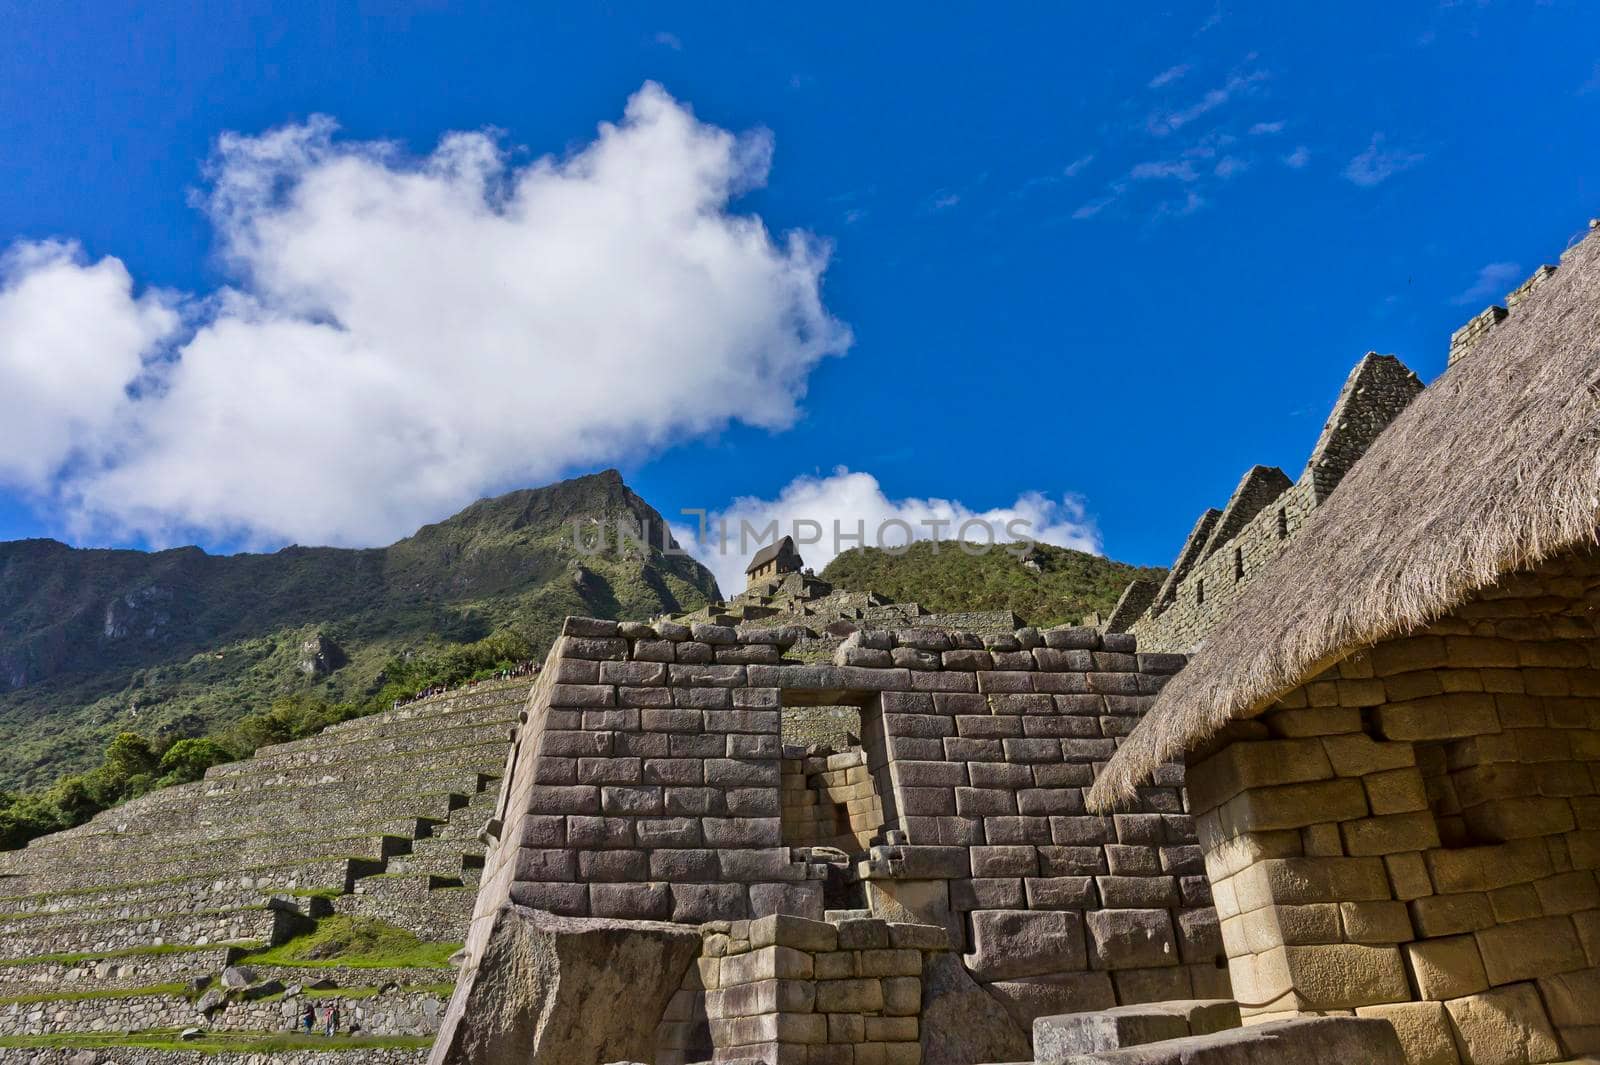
(188, 760)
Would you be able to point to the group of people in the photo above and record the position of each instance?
(525, 668)
(328, 1019)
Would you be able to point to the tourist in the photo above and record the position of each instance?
(309, 1018)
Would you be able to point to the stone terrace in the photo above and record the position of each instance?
(122, 922)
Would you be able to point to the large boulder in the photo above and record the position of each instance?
(548, 990)
(962, 1024)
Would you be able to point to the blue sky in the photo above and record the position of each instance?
(1111, 258)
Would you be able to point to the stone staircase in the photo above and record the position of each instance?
(115, 935)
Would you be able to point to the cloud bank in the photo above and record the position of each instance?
(406, 334)
(858, 504)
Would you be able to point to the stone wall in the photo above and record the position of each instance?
(1228, 548)
(829, 800)
(1479, 325)
(1415, 834)
(647, 783)
(788, 990)
(395, 1012)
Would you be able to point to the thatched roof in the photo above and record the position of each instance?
(1492, 469)
(783, 548)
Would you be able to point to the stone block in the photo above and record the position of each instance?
(1446, 915)
(1376, 922)
(1257, 764)
(650, 901)
(1453, 715)
(1267, 809)
(1152, 985)
(1138, 892)
(1058, 893)
(1342, 976)
(1390, 834)
(1358, 755)
(1423, 1029)
(1199, 936)
(1056, 1039)
(1026, 1000)
(1505, 1025)
(1524, 950)
(1130, 939)
(1016, 943)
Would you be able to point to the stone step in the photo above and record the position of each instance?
(357, 750)
(333, 874)
(222, 862)
(118, 971)
(466, 772)
(367, 729)
(229, 926)
(245, 820)
(440, 705)
(135, 852)
(337, 1052)
(436, 913)
(372, 1011)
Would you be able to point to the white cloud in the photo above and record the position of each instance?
(1298, 158)
(857, 502)
(1267, 128)
(669, 40)
(1493, 282)
(1168, 76)
(1077, 166)
(409, 334)
(1378, 164)
(73, 340)
(1094, 207)
(1229, 165)
(1161, 123)
(1162, 169)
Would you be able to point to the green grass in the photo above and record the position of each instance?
(344, 942)
(942, 578)
(217, 1042)
(111, 992)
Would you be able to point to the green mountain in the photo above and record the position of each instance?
(181, 643)
(1046, 585)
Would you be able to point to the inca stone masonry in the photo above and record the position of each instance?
(813, 826)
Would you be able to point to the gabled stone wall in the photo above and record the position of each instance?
(1228, 548)
(646, 783)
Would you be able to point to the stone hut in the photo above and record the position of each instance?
(1393, 737)
(772, 562)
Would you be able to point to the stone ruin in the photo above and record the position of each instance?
(1228, 547)
(923, 897)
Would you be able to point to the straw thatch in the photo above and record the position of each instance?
(1491, 470)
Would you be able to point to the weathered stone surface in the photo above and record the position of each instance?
(1028, 999)
(1423, 1029)
(529, 998)
(1058, 1038)
(1506, 1025)
(1014, 943)
(1304, 1041)
(962, 1023)
(1131, 939)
